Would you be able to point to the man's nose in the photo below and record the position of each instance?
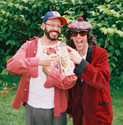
(78, 35)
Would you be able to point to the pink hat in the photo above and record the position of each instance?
(80, 24)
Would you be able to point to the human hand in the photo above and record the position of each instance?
(74, 55)
(47, 69)
(45, 60)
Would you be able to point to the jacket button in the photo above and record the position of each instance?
(25, 89)
(34, 51)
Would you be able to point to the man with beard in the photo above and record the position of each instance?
(43, 106)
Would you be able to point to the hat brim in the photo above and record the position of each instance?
(63, 20)
(82, 29)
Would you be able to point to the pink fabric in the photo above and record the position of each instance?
(26, 64)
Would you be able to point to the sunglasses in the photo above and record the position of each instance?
(81, 33)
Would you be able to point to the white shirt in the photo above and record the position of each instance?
(40, 97)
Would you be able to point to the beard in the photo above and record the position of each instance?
(48, 34)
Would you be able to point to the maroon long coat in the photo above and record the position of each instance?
(90, 100)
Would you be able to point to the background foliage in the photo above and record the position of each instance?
(21, 20)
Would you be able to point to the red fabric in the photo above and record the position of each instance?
(94, 96)
(25, 63)
(67, 81)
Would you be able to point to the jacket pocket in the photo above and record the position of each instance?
(103, 107)
(101, 104)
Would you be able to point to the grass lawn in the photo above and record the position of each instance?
(10, 116)
(117, 100)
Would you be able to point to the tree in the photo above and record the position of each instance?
(21, 20)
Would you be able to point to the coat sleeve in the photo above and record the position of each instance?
(55, 79)
(96, 74)
(20, 64)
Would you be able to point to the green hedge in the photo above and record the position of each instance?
(21, 20)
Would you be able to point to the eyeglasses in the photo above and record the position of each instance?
(52, 25)
(81, 33)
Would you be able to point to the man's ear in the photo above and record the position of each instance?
(43, 26)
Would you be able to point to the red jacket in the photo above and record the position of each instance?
(26, 64)
(91, 99)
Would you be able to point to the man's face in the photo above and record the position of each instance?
(80, 40)
(52, 29)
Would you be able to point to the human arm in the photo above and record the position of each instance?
(55, 79)
(22, 64)
(96, 73)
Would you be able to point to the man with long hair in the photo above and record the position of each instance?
(89, 100)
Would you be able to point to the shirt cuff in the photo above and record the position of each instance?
(80, 68)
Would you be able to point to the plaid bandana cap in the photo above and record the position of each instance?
(80, 24)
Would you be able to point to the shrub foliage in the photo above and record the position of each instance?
(21, 20)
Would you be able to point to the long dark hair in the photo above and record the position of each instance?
(90, 38)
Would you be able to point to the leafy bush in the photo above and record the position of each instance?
(21, 20)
